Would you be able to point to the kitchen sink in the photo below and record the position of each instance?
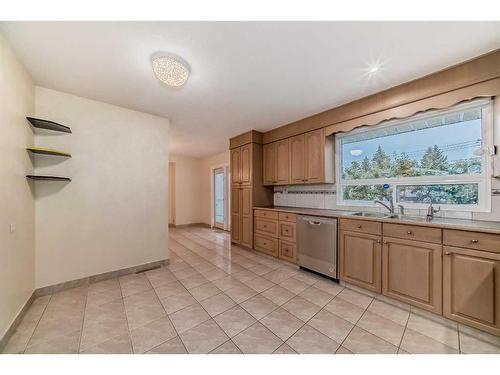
(370, 214)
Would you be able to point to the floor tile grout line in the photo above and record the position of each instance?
(83, 321)
(210, 318)
(404, 331)
(356, 324)
(175, 329)
(126, 316)
(37, 323)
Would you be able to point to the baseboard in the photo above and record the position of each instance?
(204, 225)
(17, 320)
(51, 289)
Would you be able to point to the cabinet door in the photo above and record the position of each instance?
(360, 259)
(235, 228)
(235, 214)
(246, 217)
(297, 160)
(471, 285)
(287, 251)
(315, 156)
(270, 163)
(235, 166)
(246, 164)
(411, 272)
(283, 162)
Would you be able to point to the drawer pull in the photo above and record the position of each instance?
(360, 226)
(447, 253)
(264, 226)
(409, 232)
(474, 241)
(378, 241)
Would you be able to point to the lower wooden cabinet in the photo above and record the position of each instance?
(287, 251)
(471, 288)
(411, 272)
(360, 260)
(265, 244)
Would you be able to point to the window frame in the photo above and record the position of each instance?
(483, 179)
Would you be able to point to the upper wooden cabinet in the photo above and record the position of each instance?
(241, 166)
(303, 159)
(471, 288)
(277, 163)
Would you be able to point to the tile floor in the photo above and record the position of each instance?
(218, 298)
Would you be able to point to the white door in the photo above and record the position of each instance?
(219, 198)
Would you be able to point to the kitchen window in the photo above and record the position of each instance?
(445, 155)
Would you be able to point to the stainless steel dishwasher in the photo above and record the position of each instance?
(317, 245)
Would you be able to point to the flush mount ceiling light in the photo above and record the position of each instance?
(170, 70)
(373, 69)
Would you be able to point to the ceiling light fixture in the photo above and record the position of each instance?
(172, 71)
(373, 69)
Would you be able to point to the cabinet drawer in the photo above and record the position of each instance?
(472, 240)
(285, 216)
(265, 244)
(266, 214)
(266, 227)
(287, 251)
(287, 231)
(363, 226)
(413, 232)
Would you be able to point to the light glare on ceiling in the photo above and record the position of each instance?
(169, 70)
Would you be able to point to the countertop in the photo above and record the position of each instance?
(439, 222)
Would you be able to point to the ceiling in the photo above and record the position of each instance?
(245, 75)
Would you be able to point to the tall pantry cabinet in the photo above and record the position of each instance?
(247, 188)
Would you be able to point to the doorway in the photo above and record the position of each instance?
(219, 197)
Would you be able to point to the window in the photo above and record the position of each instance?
(444, 155)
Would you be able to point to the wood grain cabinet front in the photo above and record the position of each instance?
(287, 251)
(266, 244)
(411, 272)
(471, 288)
(360, 260)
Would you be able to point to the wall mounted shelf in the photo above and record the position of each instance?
(47, 151)
(49, 125)
(47, 178)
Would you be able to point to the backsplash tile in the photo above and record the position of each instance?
(324, 196)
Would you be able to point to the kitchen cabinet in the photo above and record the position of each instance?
(311, 158)
(247, 188)
(360, 259)
(275, 234)
(471, 288)
(412, 271)
(277, 163)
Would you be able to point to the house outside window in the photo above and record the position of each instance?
(440, 155)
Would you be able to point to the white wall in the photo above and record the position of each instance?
(114, 213)
(17, 252)
(189, 196)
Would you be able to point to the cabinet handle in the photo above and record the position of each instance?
(360, 226)
(378, 241)
(474, 241)
(409, 232)
(447, 253)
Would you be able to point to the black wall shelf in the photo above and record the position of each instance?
(47, 178)
(49, 125)
(47, 151)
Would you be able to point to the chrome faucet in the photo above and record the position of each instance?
(401, 209)
(390, 207)
(431, 210)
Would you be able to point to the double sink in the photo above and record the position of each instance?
(376, 214)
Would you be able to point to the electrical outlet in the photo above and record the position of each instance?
(13, 227)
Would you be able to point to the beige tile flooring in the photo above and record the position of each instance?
(218, 298)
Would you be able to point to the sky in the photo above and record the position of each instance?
(415, 143)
